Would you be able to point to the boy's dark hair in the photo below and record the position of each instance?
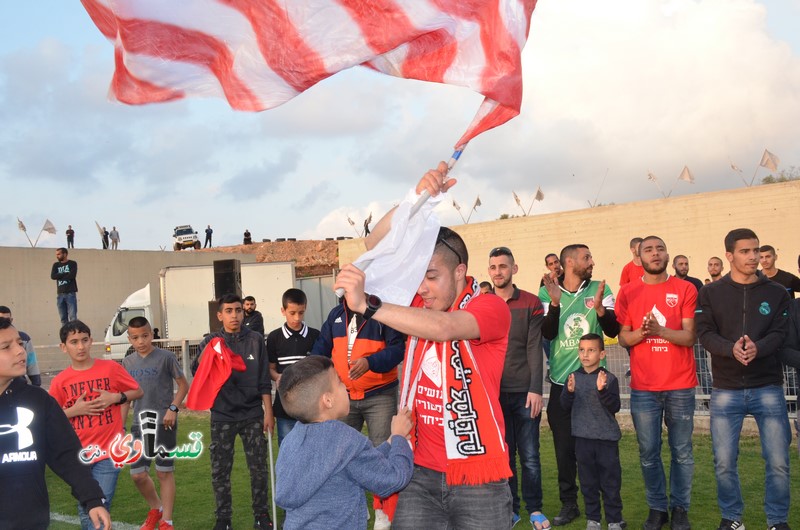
(635, 241)
(73, 326)
(451, 247)
(249, 298)
(5, 323)
(570, 251)
(487, 284)
(294, 296)
(767, 248)
(594, 336)
(62, 249)
(138, 322)
(737, 235)
(229, 298)
(302, 384)
(5, 309)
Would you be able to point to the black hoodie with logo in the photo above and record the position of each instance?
(34, 431)
(727, 311)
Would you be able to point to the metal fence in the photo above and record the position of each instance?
(617, 358)
(618, 363)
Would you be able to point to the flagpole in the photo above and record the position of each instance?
(754, 177)
(423, 197)
(28, 238)
(37, 238)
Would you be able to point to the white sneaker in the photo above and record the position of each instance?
(381, 521)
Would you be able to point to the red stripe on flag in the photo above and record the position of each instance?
(281, 45)
(174, 43)
(134, 91)
(384, 25)
(103, 18)
(429, 56)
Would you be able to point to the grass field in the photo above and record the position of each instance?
(195, 502)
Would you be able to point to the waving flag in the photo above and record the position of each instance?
(769, 161)
(258, 54)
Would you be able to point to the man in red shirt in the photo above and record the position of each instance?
(453, 365)
(656, 315)
(633, 269)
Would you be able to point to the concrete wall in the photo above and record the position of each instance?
(105, 278)
(693, 225)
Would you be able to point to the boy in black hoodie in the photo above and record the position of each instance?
(741, 322)
(33, 432)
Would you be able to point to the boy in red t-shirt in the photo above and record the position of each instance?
(92, 393)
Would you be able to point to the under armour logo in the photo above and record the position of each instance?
(24, 436)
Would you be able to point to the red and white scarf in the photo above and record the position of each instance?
(474, 442)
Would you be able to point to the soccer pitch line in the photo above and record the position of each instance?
(74, 520)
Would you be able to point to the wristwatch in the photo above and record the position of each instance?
(373, 304)
(173, 407)
(122, 398)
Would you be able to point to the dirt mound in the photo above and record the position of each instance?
(311, 258)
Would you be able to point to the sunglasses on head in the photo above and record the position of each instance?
(448, 245)
(500, 251)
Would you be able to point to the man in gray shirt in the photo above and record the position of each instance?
(155, 370)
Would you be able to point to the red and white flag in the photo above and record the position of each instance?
(258, 54)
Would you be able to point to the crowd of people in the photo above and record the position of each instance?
(444, 438)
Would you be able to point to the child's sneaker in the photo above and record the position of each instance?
(515, 518)
(780, 526)
(593, 525)
(727, 524)
(614, 526)
(163, 525)
(151, 522)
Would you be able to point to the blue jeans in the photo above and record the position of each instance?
(106, 475)
(768, 406)
(428, 502)
(285, 425)
(522, 436)
(67, 305)
(676, 409)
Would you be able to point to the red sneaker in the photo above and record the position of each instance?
(163, 525)
(153, 517)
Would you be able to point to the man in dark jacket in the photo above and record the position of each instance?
(243, 406)
(741, 322)
(34, 431)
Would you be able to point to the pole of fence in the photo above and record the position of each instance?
(185, 360)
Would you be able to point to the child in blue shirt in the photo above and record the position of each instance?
(324, 466)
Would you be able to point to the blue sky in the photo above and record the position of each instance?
(630, 87)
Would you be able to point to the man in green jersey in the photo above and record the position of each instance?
(574, 306)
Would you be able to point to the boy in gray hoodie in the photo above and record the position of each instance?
(324, 466)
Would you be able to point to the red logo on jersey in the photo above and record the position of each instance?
(672, 299)
(589, 302)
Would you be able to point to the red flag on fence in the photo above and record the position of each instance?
(259, 54)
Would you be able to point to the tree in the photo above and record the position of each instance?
(785, 175)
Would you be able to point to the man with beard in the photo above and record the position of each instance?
(253, 320)
(715, 268)
(656, 313)
(680, 264)
(521, 384)
(574, 305)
